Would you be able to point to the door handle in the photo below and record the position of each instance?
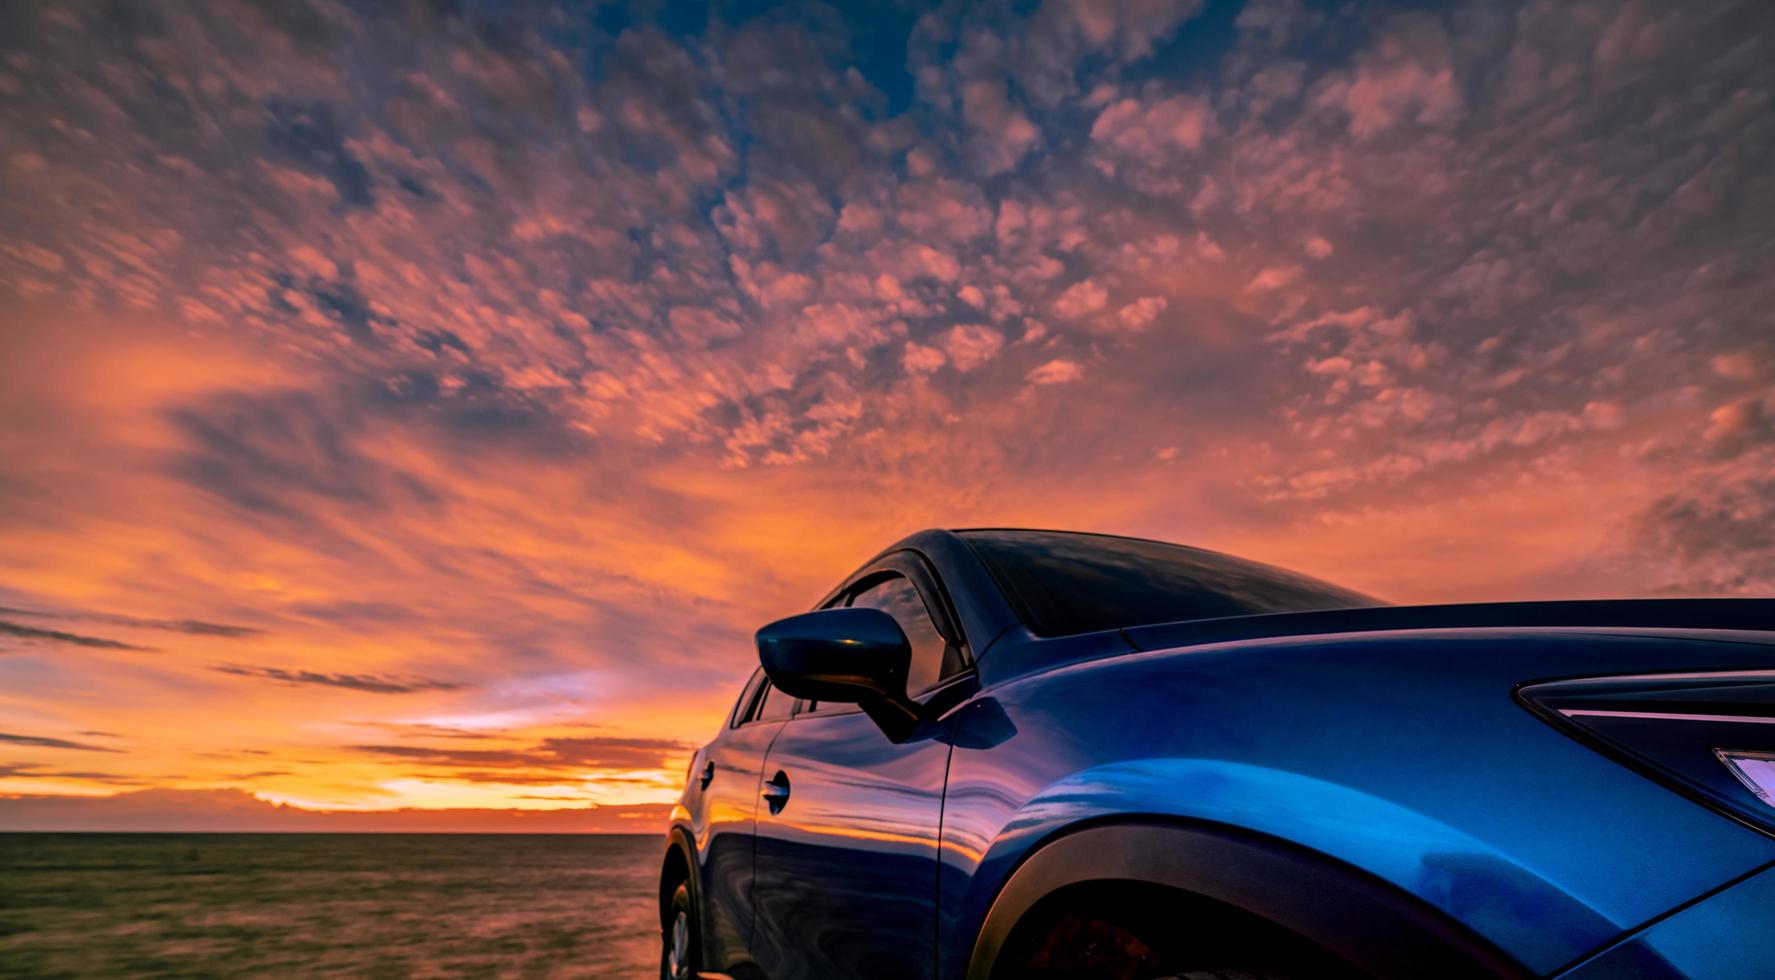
(776, 791)
(708, 776)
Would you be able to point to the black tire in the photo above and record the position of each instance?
(1119, 930)
(1232, 975)
(681, 942)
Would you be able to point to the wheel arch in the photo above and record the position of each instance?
(1359, 917)
(678, 865)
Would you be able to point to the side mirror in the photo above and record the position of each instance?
(853, 656)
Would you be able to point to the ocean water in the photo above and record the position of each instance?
(328, 905)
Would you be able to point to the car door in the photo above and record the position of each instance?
(846, 859)
(723, 795)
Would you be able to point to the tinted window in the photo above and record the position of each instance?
(931, 653)
(776, 706)
(744, 704)
(826, 707)
(1062, 583)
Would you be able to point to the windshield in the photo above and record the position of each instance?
(1063, 583)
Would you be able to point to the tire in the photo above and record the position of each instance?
(1119, 930)
(1232, 975)
(681, 943)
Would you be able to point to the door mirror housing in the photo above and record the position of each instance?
(851, 656)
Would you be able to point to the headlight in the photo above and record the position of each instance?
(1710, 735)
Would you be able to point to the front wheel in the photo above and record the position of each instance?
(680, 946)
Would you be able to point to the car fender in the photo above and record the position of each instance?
(1364, 920)
(1389, 856)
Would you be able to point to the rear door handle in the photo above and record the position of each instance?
(708, 775)
(776, 791)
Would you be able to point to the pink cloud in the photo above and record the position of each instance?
(970, 345)
(1145, 140)
(1056, 372)
(1146, 130)
(919, 359)
(1272, 278)
(1005, 134)
(1406, 80)
(1080, 299)
(1732, 427)
(1140, 314)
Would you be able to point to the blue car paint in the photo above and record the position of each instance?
(848, 871)
(1729, 935)
(1399, 753)
(721, 820)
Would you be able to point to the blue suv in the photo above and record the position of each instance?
(1006, 753)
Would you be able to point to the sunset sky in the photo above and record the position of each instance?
(416, 407)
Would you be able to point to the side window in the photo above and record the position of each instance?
(931, 654)
(743, 707)
(810, 707)
(776, 706)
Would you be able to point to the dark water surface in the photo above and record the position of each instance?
(357, 905)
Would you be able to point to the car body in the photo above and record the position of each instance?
(1287, 779)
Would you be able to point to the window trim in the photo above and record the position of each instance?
(753, 715)
(742, 708)
(756, 690)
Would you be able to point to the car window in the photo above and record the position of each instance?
(776, 705)
(743, 707)
(1062, 583)
(933, 657)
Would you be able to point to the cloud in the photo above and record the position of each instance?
(1733, 428)
(1276, 23)
(1154, 144)
(1003, 134)
(371, 683)
(1147, 132)
(970, 345)
(1056, 372)
(1272, 278)
(189, 626)
(1080, 299)
(1049, 46)
(921, 359)
(1140, 314)
(1720, 541)
(1408, 78)
(59, 636)
(551, 756)
(27, 770)
(237, 811)
(420, 730)
(1741, 365)
(38, 741)
(308, 135)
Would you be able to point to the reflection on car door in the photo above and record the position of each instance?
(724, 806)
(847, 863)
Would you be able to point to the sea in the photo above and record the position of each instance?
(328, 905)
